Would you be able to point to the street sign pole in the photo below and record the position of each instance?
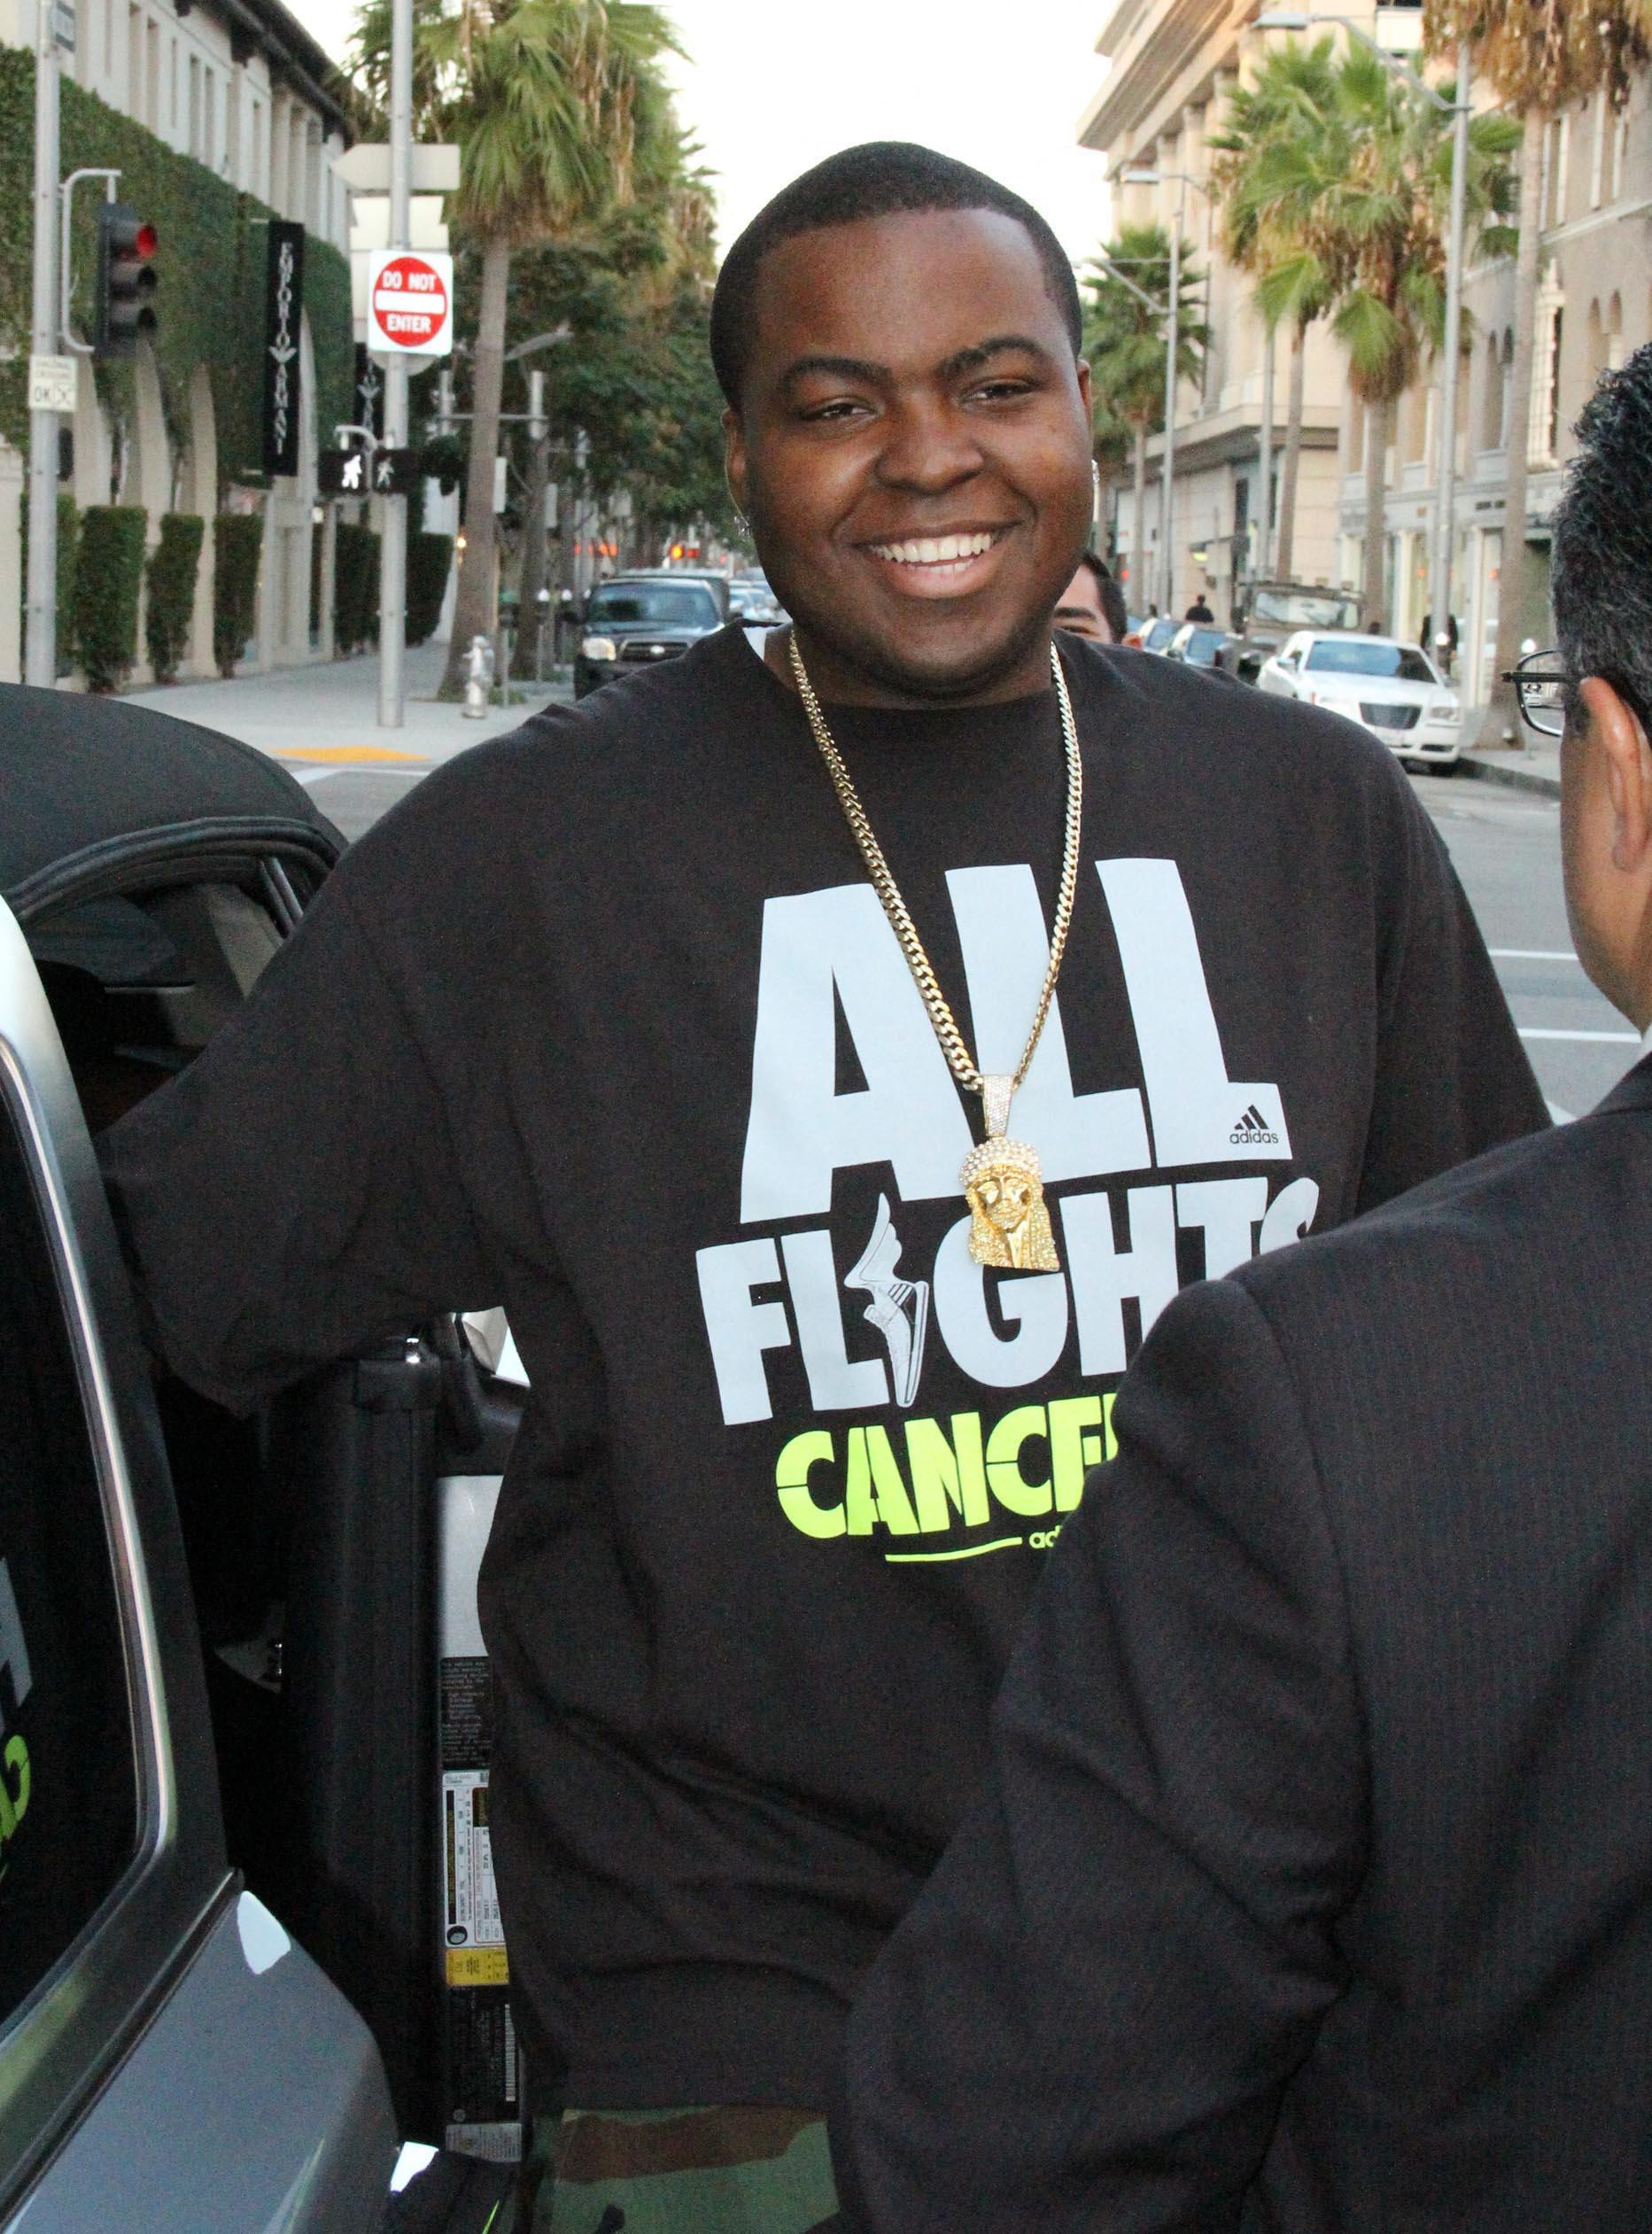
(40, 653)
(392, 604)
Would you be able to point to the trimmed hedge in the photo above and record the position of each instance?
(236, 540)
(172, 567)
(428, 558)
(107, 578)
(68, 551)
(355, 589)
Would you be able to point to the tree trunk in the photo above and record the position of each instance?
(1285, 546)
(1378, 418)
(1138, 529)
(474, 604)
(1502, 713)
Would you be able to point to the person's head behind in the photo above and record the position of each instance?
(908, 422)
(1601, 585)
(1092, 604)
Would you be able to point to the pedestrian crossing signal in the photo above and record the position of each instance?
(126, 282)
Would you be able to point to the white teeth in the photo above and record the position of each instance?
(935, 550)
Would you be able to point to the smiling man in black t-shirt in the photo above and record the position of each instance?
(833, 1061)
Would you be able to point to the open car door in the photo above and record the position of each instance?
(332, 1542)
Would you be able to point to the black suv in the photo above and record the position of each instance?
(638, 619)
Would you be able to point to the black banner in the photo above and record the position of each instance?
(283, 303)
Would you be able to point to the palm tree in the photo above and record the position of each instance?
(1539, 60)
(1293, 88)
(542, 97)
(1355, 180)
(1125, 333)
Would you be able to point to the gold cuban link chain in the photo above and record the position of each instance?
(952, 1043)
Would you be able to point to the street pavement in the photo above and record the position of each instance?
(1503, 833)
(1506, 846)
(322, 722)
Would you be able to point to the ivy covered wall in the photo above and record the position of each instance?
(210, 269)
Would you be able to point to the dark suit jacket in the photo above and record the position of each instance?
(1312, 1888)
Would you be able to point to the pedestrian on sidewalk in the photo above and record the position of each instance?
(1311, 1884)
(712, 1027)
(1199, 610)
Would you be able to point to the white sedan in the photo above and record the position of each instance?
(1391, 688)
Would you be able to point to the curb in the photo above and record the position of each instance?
(1504, 769)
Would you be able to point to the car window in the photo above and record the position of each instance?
(1398, 660)
(1204, 644)
(667, 604)
(69, 1809)
(1159, 633)
(1305, 608)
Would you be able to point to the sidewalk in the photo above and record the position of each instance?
(1533, 765)
(322, 722)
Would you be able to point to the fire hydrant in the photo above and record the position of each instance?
(478, 677)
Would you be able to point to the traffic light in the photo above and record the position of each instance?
(126, 280)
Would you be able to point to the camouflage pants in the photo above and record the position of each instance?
(710, 2171)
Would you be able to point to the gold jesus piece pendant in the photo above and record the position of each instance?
(1004, 1182)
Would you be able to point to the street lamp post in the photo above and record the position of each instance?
(1167, 500)
(1444, 535)
(40, 642)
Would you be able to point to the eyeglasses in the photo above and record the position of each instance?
(1542, 686)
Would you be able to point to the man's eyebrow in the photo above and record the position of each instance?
(836, 368)
(969, 359)
(981, 352)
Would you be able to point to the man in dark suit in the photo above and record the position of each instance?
(1312, 1885)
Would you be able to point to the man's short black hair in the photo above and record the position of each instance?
(1113, 603)
(882, 178)
(1601, 560)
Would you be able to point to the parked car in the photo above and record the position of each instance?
(1393, 689)
(636, 620)
(1196, 643)
(754, 605)
(1154, 635)
(217, 1821)
(1267, 612)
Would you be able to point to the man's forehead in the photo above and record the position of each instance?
(908, 291)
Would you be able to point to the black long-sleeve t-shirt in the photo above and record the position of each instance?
(605, 1023)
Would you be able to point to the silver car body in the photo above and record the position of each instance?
(1412, 709)
(180, 2063)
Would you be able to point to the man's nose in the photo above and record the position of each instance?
(929, 448)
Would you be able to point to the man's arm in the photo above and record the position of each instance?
(1452, 1077)
(295, 1195)
(1087, 2018)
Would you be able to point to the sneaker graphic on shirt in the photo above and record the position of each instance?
(899, 1308)
(1251, 1131)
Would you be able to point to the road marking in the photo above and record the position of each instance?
(1530, 954)
(345, 754)
(1621, 1039)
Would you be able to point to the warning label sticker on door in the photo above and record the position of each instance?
(472, 1918)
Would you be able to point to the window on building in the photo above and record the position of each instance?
(1620, 146)
(68, 1779)
(151, 74)
(1600, 132)
(194, 123)
(135, 62)
(1551, 388)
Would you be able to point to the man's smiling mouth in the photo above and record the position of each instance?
(936, 564)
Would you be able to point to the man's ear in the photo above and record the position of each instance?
(1083, 388)
(1627, 763)
(734, 457)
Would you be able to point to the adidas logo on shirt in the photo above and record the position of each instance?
(1251, 1131)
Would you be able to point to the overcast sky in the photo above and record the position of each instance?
(770, 86)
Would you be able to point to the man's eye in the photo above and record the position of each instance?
(843, 407)
(1000, 391)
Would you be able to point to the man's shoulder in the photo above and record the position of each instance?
(1471, 1265)
(1158, 704)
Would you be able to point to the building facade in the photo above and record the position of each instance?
(238, 93)
(1173, 65)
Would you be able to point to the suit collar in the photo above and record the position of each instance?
(1633, 1091)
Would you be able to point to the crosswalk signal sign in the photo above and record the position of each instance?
(126, 280)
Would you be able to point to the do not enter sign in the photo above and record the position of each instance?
(410, 303)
